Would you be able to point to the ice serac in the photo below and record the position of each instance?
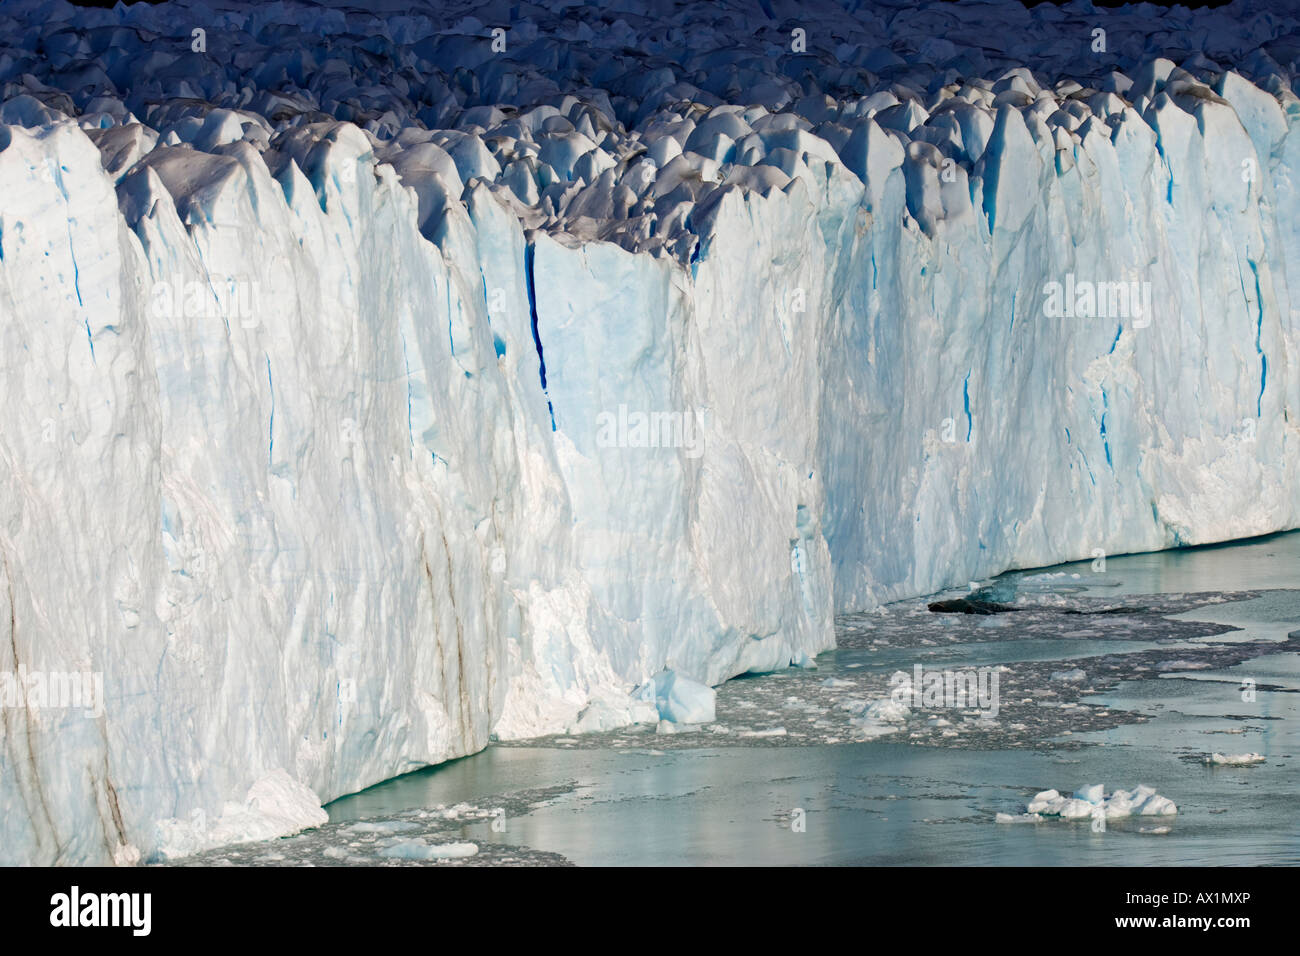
(348, 425)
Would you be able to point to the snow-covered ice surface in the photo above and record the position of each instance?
(335, 340)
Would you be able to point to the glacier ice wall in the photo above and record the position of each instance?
(321, 436)
(233, 523)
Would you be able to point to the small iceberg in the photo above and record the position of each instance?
(679, 699)
(880, 718)
(1091, 800)
(1234, 760)
(419, 850)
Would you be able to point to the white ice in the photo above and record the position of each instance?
(1088, 801)
(373, 392)
(1235, 760)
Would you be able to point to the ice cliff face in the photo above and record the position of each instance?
(375, 385)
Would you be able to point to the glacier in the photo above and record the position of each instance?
(381, 382)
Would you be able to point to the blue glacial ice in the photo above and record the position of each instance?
(378, 384)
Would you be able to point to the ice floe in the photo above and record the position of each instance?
(1091, 801)
(1235, 760)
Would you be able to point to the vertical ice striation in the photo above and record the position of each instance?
(370, 391)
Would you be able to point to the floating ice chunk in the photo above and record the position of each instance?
(382, 826)
(459, 810)
(871, 729)
(1072, 676)
(881, 717)
(998, 592)
(680, 699)
(1018, 818)
(420, 850)
(768, 732)
(606, 714)
(886, 710)
(835, 683)
(1088, 800)
(1144, 801)
(1048, 807)
(1234, 760)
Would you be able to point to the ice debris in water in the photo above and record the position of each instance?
(382, 826)
(607, 713)
(1072, 676)
(420, 850)
(880, 718)
(679, 699)
(998, 592)
(1234, 760)
(1087, 801)
(837, 683)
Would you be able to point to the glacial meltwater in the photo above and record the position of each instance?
(1136, 672)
